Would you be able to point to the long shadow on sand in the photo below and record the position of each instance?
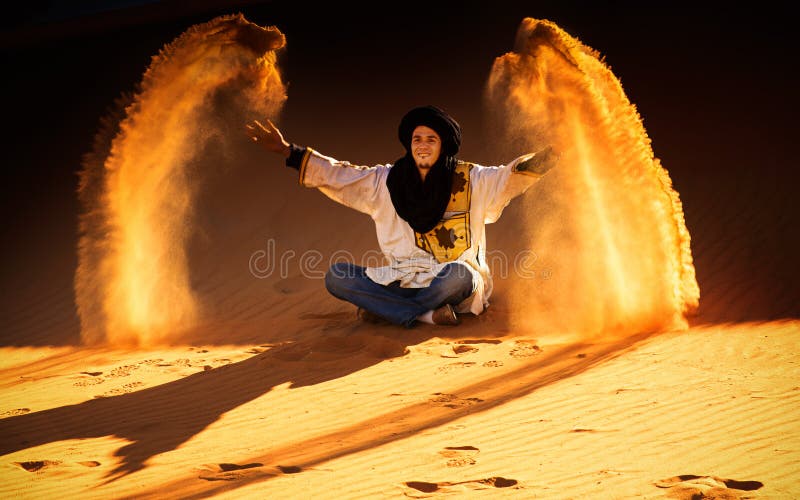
(160, 419)
(562, 363)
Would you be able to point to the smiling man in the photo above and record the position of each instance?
(426, 145)
(429, 209)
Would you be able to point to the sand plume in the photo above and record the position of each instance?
(139, 185)
(607, 226)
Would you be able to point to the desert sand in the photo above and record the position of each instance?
(282, 393)
(362, 411)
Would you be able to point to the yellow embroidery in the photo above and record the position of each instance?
(451, 236)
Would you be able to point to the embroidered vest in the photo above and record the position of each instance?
(451, 236)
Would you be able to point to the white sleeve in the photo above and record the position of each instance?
(497, 186)
(354, 186)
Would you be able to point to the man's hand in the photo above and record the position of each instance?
(269, 137)
(541, 162)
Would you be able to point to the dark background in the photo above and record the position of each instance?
(715, 85)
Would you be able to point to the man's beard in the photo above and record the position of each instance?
(426, 163)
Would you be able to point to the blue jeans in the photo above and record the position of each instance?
(396, 304)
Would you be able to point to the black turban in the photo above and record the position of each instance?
(430, 116)
(422, 204)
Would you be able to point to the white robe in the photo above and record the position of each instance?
(364, 189)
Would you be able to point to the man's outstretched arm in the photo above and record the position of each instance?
(539, 163)
(351, 185)
(499, 185)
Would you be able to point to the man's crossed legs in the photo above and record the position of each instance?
(401, 306)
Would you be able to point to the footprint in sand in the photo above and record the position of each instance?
(493, 364)
(456, 351)
(691, 487)
(89, 378)
(227, 472)
(455, 487)
(180, 363)
(118, 391)
(15, 412)
(452, 401)
(454, 366)
(459, 456)
(525, 349)
(232, 472)
(86, 382)
(123, 371)
(151, 362)
(37, 465)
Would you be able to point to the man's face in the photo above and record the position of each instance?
(426, 145)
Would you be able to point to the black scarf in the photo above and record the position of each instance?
(419, 203)
(422, 204)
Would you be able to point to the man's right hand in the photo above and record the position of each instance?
(269, 137)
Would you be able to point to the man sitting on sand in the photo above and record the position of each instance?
(429, 210)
